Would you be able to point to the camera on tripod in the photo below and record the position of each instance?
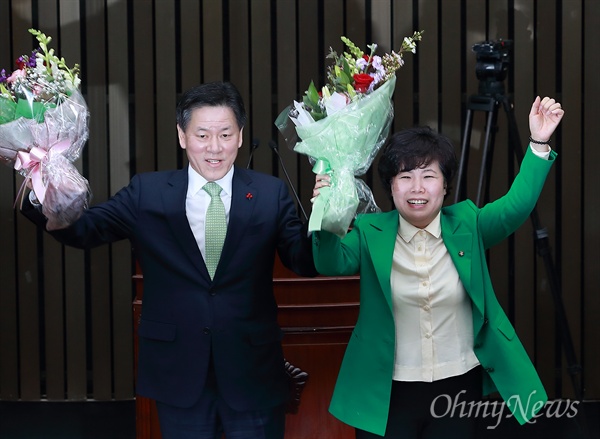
(493, 59)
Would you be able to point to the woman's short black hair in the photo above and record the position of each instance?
(211, 94)
(414, 148)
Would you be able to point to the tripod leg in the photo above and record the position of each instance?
(485, 171)
(461, 180)
(543, 249)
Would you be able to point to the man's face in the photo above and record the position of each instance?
(419, 194)
(211, 141)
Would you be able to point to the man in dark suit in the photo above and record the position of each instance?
(209, 343)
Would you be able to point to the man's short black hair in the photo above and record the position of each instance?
(211, 94)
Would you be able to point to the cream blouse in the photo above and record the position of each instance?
(432, 311)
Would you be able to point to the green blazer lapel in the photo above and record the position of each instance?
(463, 249)
(380, 237)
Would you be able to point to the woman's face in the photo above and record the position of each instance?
(419, 194)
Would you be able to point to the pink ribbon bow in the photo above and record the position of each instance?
(32, 162)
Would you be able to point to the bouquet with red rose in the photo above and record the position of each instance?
(342, 127)
(43, 129)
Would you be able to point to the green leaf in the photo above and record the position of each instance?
(346, 67)
(307, 103)
(7, 110)
(30, 110)
(345, 77)
(313, 94)
(317, 115)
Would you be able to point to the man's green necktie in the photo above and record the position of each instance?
(216, 227)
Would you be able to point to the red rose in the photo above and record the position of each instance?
(362, 82)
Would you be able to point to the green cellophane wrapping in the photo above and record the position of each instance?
(344, 145)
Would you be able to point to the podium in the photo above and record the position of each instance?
(317, 316)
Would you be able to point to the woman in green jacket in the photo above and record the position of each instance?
(431, 337)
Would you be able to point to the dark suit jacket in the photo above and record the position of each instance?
(186, 317)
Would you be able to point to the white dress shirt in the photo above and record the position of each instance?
(197, 201)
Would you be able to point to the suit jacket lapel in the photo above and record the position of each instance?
(380, 236)
(463, 249)
(240, 213)
(173, 199)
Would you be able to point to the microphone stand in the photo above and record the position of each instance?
(275, 148)
(253, 147)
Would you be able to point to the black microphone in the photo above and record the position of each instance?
(253, 147)
(275, 148)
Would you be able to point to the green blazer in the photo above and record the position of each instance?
(362, 392)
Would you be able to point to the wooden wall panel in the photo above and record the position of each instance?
(310, 68)
(406, 94)
(521, 306)
(569, 244)
(501, 170)
(27, 267)
(213, 47)
(120, 143)
(590, 178)
(8, 279)
(358, 24)
(450, 70)
(189, 41)
(381, 34)
(144, 131)
(545, 79)
(76, 295)
(261, 102)
(239, 50)
(164, 87)
(286, 80)
(69, 310)
(336, 27)
(428, 76)
(53, 343)
(97, 163)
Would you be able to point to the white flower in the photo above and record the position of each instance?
(300, 115)
(410, 44)
(335, 103)
(54, 69)
(40, 68)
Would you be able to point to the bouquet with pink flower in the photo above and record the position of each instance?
(342, 127)
(43, 129)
